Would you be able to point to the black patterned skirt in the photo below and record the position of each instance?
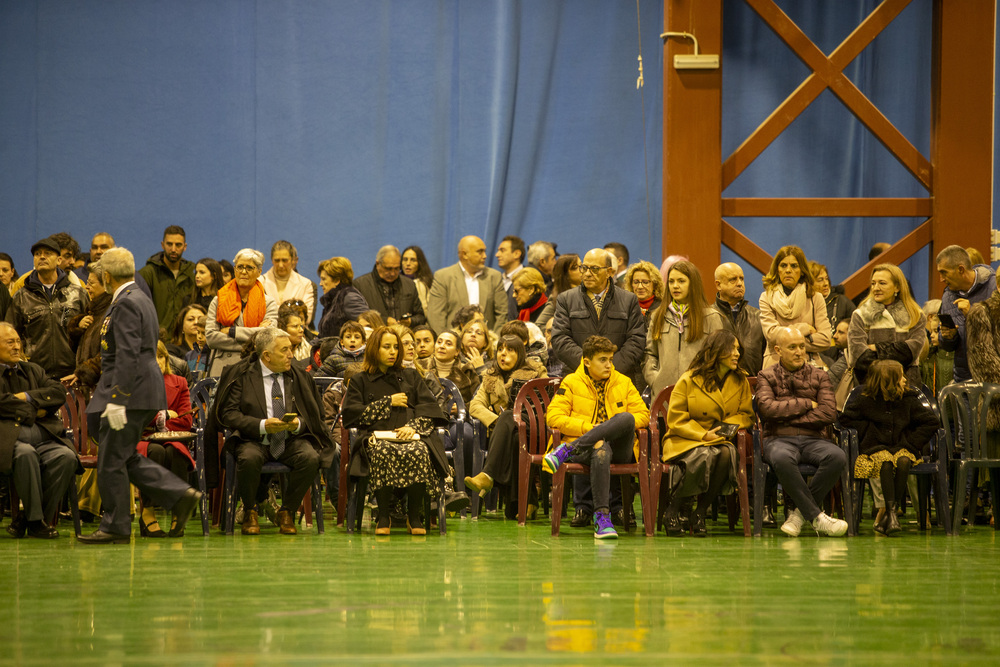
(398, 465)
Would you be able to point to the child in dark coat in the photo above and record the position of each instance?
(893, 427)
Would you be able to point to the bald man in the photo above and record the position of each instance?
(739, 316)
(469, 281)
(797, 407)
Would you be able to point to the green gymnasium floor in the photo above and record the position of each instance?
(492, 593)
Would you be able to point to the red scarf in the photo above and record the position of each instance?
(231, 305)
(646, 303)
(524, 314)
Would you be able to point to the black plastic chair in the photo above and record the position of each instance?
(460, 416)
(761, 469)
(968, 404)
(933, 469)
(358, 491)
(201, 402)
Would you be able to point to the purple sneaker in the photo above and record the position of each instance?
(556, 458)
(603, 528)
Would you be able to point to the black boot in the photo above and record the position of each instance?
(891, 523)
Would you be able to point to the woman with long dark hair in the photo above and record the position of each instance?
(384, 396)
(678, 327)
(711, 394)
(414, 266)
(207, 282)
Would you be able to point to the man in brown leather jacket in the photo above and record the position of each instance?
(797, 407)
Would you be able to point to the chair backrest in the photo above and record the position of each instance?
(323, 382)
(658, 410)
(529, 413)
(967, 403)
(76, 410)
(201, 401)
(453, 399)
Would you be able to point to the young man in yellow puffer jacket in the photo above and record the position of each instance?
(600, 409)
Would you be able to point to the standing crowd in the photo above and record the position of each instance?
(408, 347)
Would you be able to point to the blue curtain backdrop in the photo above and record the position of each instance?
(342, 126)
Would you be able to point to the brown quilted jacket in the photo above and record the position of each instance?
(784, 401)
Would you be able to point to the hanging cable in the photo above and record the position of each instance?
(640, 86)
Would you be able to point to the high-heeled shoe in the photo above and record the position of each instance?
(151, 529)
(382, 530)
(672, 523)
(419, 530)
(698, 528)
(482, 483)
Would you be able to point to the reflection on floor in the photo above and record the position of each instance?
(489, 592)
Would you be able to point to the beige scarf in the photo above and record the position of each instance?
(790, 307)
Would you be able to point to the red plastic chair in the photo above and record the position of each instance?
(625, 470)
(533, 435)
(744, 444)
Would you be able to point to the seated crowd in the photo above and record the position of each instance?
(402, 338)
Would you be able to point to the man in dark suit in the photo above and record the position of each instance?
(32, 447)
(127, 397)
(254, 396)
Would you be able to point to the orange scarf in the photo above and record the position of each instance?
(230, 305)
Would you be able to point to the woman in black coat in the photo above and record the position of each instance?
(893, 426)
(384, 396)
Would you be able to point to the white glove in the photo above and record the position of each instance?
(116, 416)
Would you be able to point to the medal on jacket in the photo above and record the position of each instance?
(104, 332)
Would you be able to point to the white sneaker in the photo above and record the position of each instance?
(827, 525)
(793, 525)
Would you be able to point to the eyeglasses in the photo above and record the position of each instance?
(584, 268)
(642, 283)
(390, 269)
(245, 269)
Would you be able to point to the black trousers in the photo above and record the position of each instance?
(299, 455)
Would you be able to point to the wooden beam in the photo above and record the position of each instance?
(962, 126)
(897, 253)
(809, 90)
(692, 137)
(832, 76)
(745, 248)
(873, 207)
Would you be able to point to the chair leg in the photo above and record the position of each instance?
(759, 479)
(655, 475)
(203, 488)
(459, 458)
(229, 499)
(960, 497)
(744, 495)
(350, 488)
(558, 480)
(995, 494)
(317, 503)
(522, 491)
(74, 508)
(923, 493)
(442, 515)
